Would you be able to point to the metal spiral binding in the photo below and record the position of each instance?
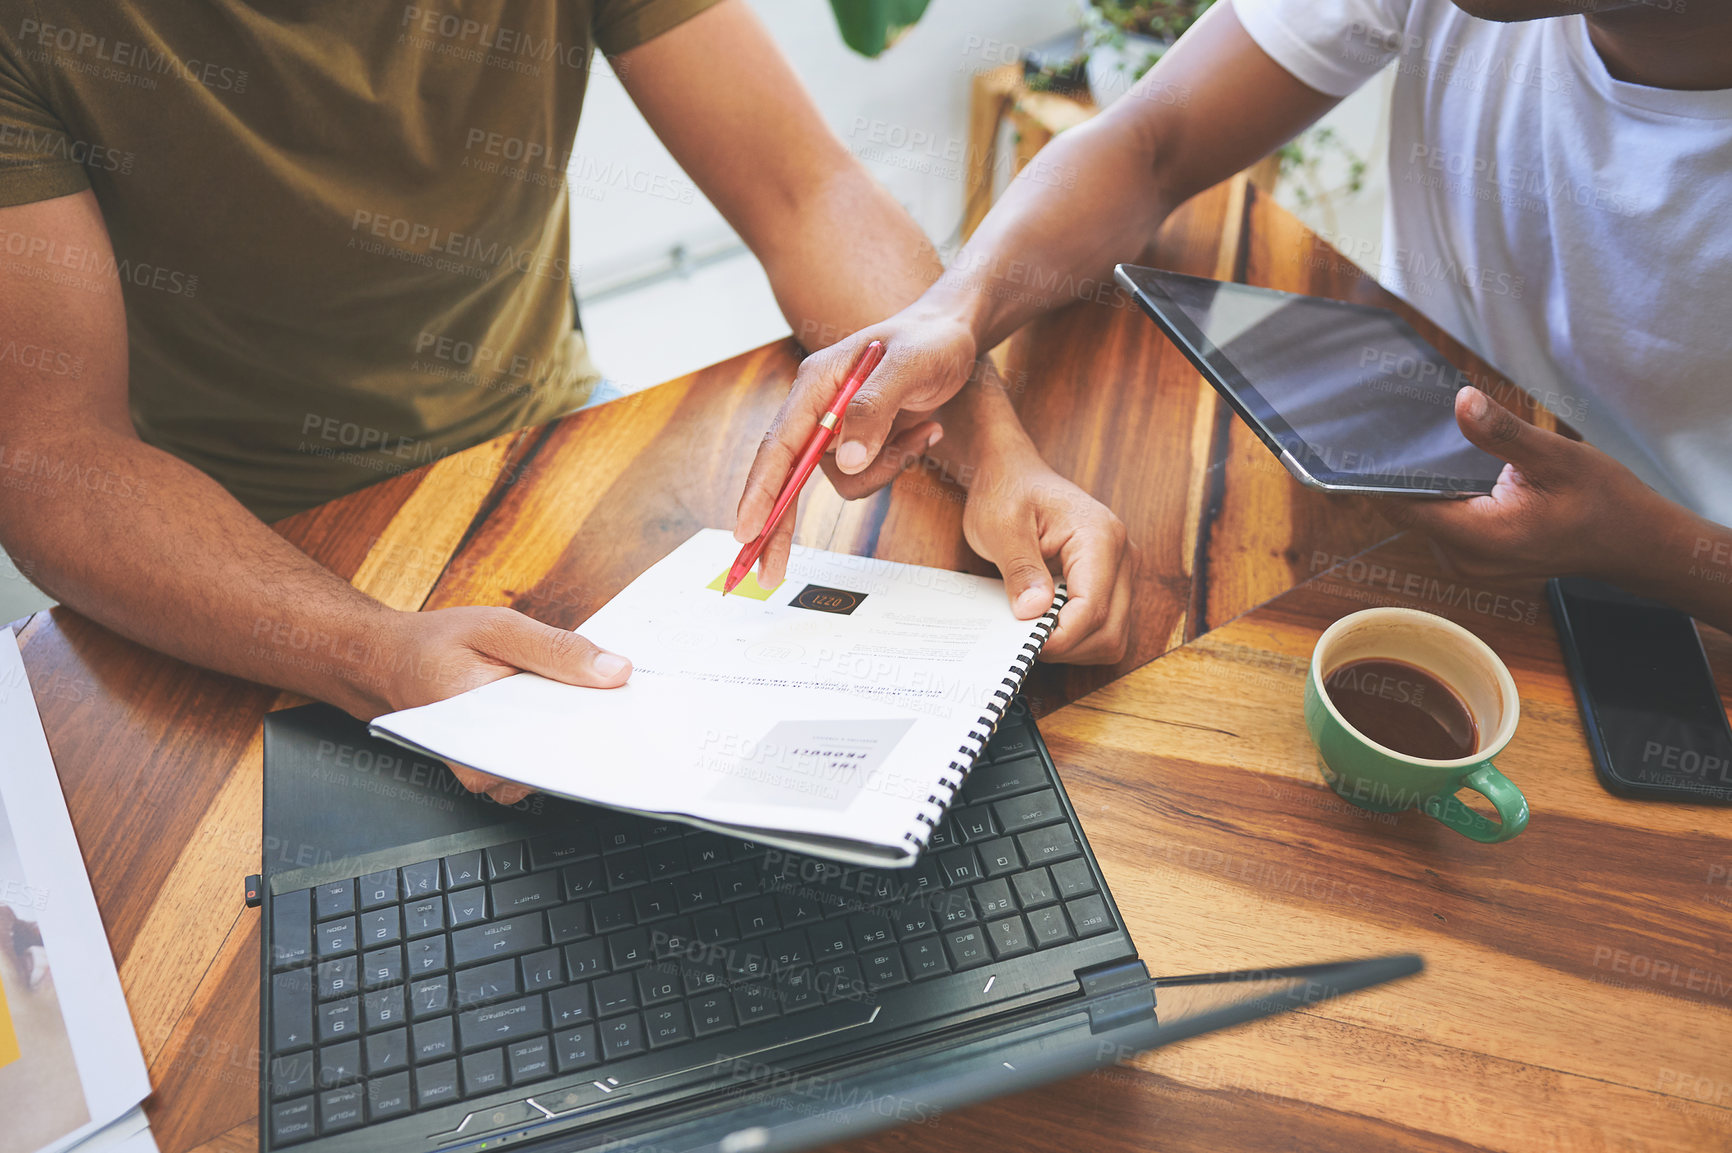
(935, 805)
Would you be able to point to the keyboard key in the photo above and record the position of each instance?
(754, 1002)
(542, 970)
(840, 980)
(1073, 879)
(388, 1097)
(654, 831)
(1009, 938)
(1020, 814)
(967, 948)
(337, 978)
(618, 830)
(420, 880)
(944, 836)
(433, 1040)
(655, 901)
(570, 1006)
(335, 898)
(704, 848)
(697, 891)
(667, 1026)
(952, 910)
(493, 981)
(714, 926)
(507, 938)
(622, 1037)
(1005, 777)
(625, 869)
(583, 879)
(568, 923)
(882, 968)
(739, 881)
(339, 1019)
(291, 1122)
(429, 997)
(797, 990)
(871, 930)
(925, 959)
(787, 950)
(562, 848)
(463, 869)
(381, 927)
(712, 1013)
(505, 861)
(339, 1064)
(615, 994)
(913, 919)
(529, 1060)
(1034, 888)
(466, 907)
(1010, 742)
(1045, 846)
(1049, 926)
(973, 824)
(672, 938)
(520, 894)
(960, 867)
(291, 1076)
(748, 961)
(383, 1008)
(703, 977)
(994, 898)
(611, 912)
(798, 910)
(292, 929)
(378, 889)
(383, 967)
(336, 937)
(757, 916)
(483, 1072)
(1089, 915)
(998, 857)
(586, 959)
(628, 949)
(666, 860)
(576, 1049)
(427, 956)
(436, 1085)
(423, 917)
(507, 1021)
(831, 939)
(341, 1109)
(658, 984)
(387, 1051)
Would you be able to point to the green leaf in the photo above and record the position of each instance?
(871, 26)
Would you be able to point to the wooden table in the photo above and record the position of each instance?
(1532, 1028)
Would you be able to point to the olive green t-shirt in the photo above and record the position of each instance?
(340, 227)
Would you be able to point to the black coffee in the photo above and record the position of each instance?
(1404, 708)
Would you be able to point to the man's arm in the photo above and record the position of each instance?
(144, 543)
(1213, 105)
(840, 254)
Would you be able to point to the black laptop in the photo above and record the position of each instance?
(442, 972)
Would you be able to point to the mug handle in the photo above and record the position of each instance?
(1511, 806)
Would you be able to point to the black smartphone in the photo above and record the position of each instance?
(1648, 699)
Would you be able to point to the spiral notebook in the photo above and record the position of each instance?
(835, 714)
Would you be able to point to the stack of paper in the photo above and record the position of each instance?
(71, 1074)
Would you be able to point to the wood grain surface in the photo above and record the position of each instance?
(1221, 846)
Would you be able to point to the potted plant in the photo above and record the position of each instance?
(1124, 39)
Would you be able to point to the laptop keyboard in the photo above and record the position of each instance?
(455, 978)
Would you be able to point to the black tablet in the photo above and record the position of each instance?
(1349, 397)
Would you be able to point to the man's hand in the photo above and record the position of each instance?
(451, 651)
(1020, 514)
(1559, 508)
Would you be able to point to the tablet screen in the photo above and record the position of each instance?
(1352, 392)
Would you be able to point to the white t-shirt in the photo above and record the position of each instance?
(1574, 230)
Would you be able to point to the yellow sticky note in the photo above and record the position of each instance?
(8, 1038)
(746, 588)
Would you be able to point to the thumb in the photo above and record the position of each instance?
(527, 644)
(1015, 549)
(1490, 426)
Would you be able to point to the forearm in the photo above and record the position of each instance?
(1675, 556)
(155, 550)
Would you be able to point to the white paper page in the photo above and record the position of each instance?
(43, 884)
(756, 713)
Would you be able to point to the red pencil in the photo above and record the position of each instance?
(808, 460)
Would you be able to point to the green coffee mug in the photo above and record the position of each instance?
(1373, 776)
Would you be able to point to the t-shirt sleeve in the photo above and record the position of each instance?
(1333, 46)
(38, 160)
(621, 25)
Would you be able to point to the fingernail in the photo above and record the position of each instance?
(1032, 599)
(610, 665)
(38, 965)
(937, 435)
(1476, 403)
(851, 457)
